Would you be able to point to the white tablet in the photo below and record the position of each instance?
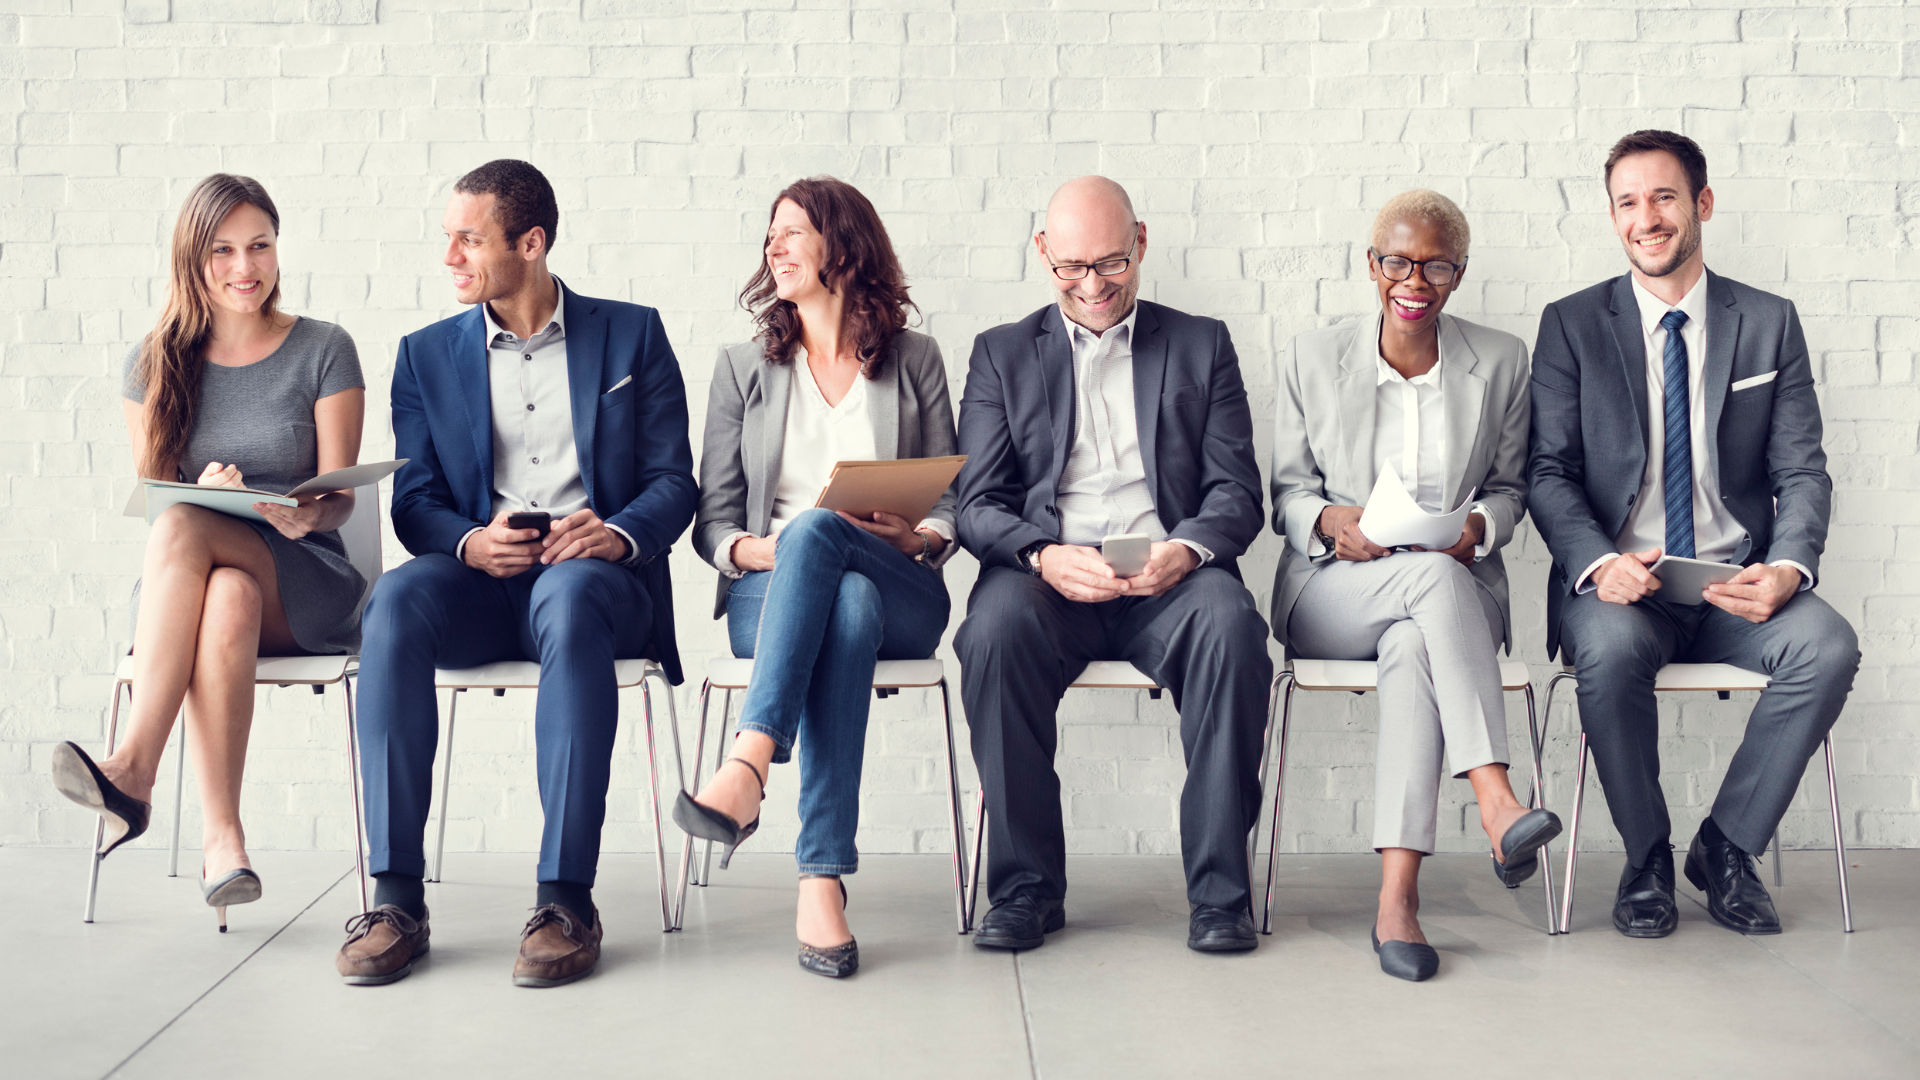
(1684, 581)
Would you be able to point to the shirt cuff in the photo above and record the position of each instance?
(1198, 549)
(633, 549)
(1581, 584)
(1806, 576)
(723, 554)
(460, 549)
(1485, 547)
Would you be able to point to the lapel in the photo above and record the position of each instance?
(467, 356)
(1463, 392)
(883, 406)
(586, 356)
(1723, 333)
(1630, 342)
(1055, 350)
(1354, 388)
(776, 388)
(1149, 347)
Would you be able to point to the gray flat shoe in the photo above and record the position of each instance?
(240, 886)
(1407, 960)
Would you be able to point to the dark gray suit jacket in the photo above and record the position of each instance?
(1591, 430)
(1196, 435)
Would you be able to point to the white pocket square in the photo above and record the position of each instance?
(1764, 377)
(619, 384)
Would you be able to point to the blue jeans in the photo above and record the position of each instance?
(837, 600)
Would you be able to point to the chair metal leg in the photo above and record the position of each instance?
(1540, 742)
(686, 838)
(353, 785)
(960, 912)
(179, 789)
(1279, 797)
(979, 839)
(1777, 872)
(653, 789)
(1839, 840)
(1573, 837)
(1537, 796)
(1266, 758)
(446, 787)
(100, 824)
(719, 758)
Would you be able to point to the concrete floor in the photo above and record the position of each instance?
(150, 990)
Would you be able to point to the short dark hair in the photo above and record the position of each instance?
(1684, 150)
(522, 197)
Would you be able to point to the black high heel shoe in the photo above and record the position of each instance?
(78, 778)
(1522, 840)
(836, 961)
(709, 824)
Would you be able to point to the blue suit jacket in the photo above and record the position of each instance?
(1196, 434)
(632, 442)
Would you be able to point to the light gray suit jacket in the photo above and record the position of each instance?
(747, 430)
(1323, 440)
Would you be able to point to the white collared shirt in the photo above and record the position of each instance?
(1410, 431)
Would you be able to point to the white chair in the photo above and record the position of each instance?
(525, 675)
(1359, 677)
(728, 675)
(1722, 679)
(361, 537)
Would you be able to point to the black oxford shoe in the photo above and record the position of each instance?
(1735, 897)
(1218, 929)
(1020, 923)
(1645, 906)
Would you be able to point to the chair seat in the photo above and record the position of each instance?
(730, 673)
(1113, 675)
(525, 675)
(287, 670)
(1363, 675)
(1703, 677)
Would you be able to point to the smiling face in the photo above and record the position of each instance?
(796, 252)
(1655, 215)
(1089, 232)
(486, 267)
(1413, 306)
(243, 264)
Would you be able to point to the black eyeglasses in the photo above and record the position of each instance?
(1105, 267)
(1438, 272)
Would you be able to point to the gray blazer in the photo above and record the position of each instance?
(747, 429)
(1323, 440)
(1591, 428)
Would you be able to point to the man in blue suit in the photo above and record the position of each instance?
(535, 399)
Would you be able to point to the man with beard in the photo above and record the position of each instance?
(1098, 416)
(1674, 413)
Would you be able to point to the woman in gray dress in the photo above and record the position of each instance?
(227, 391)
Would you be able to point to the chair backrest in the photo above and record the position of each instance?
(361, 536)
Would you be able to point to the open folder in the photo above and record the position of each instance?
(1392, 519)
(152, 496)
(908, 487)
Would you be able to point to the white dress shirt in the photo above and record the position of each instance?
(535, 463)
(1716, 535)
(1103, 489)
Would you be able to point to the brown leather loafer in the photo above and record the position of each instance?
(555, 949)
(381, 947)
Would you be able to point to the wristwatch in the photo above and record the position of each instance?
(926, 546)
(1325, 540)
(1029, 556)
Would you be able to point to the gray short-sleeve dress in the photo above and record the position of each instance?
(260, 417)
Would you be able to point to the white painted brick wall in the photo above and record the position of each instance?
(1257, 140)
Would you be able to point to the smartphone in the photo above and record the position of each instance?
(531, 519)
(1126, 552)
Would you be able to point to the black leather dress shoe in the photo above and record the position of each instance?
(1645, 906)
(1735, 897)
(1218, 929)
(1020, 923)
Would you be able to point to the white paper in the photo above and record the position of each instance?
(1393, 519)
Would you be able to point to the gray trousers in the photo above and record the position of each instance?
(1807, 649)
(1434, 631)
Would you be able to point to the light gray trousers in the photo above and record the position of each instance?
(1433, 630)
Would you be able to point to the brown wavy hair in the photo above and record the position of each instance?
(860, 265)
(173, 356)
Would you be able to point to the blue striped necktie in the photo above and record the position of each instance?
(1676, 479)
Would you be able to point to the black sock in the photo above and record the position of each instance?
(404, 891)
(571, 895)
(1710, 834)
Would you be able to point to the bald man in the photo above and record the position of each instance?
(1101, 415)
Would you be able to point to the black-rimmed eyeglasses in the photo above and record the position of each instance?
(1438, 272)
(1105, 267)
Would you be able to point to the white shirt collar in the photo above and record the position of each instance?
(1653, 309)
(1123, 328)
(559, 319)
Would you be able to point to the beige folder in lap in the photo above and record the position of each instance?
(908, 487)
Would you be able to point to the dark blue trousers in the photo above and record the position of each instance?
(574, 617)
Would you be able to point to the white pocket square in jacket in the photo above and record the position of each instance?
(1764, 377)
(619, 384)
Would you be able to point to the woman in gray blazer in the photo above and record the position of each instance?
(1443, 404)
(814, 596)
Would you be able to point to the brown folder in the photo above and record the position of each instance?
(908, 487)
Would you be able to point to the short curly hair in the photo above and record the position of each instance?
(1424, 205)
(522, 197)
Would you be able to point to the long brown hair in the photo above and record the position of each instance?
(859, 263)
(173, 355)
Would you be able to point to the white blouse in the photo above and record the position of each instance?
(818, 436)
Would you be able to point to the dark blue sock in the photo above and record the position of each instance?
(571, 895)
(404, 891)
